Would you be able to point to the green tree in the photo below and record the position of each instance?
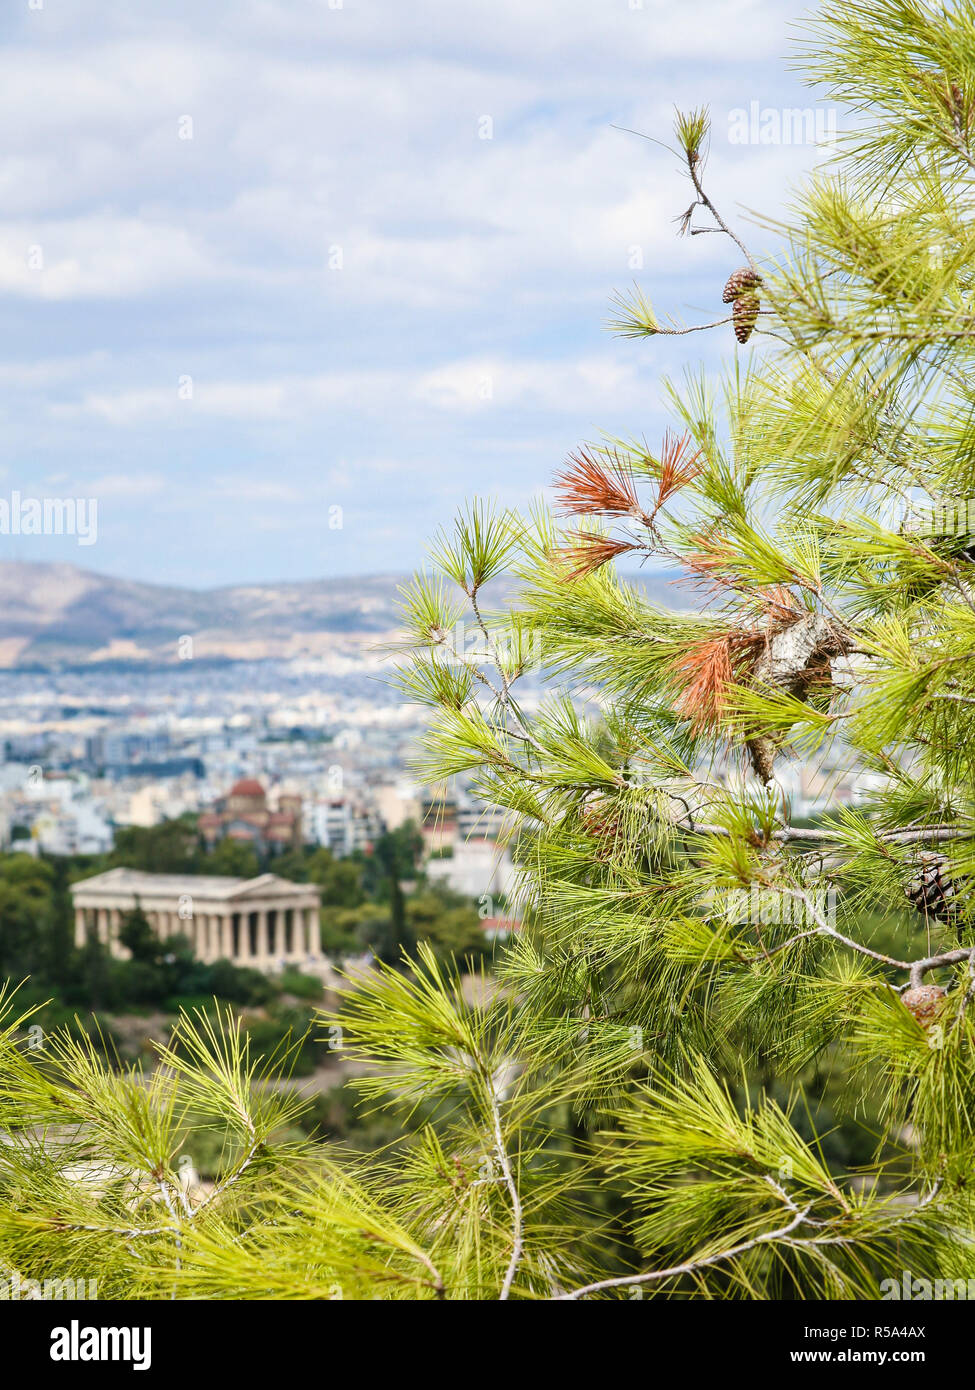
(27, 914)
(234, 859)
(170, 848)
(339, 879)
(94, 974)
(60, 962)
(448, 922)
(395, 854)
(137, 935)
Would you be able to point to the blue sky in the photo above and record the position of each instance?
(258, 261)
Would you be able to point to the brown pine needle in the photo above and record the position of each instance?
(593, 488)
(590, 553)
(707, 671)
(676, 469)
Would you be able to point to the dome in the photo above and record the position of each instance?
(247, 786)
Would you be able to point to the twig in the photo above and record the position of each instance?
(694, 328)
(517, 1246)
(517, 1215)
(689, 1266)
(693, 163)
(916, 969)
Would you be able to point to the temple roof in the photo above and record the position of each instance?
(202, 887)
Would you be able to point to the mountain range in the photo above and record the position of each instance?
(57, 615)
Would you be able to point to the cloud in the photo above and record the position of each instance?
(126, 485)
(273, 251)
(99, 258)
(550, 386)
(485, 385)
(568, 34)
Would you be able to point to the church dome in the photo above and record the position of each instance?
(248, 786)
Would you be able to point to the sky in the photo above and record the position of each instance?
(284, 282)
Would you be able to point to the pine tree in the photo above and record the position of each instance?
(693, 961)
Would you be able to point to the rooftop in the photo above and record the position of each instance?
(200, 886)
(247, 786)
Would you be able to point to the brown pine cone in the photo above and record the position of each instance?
(744, 316)
(953, 99)
(740, 281)
(600, 820)
(924, 1002)
(762, 752)
(932, 891)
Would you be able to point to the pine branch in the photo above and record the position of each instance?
(690, 1266)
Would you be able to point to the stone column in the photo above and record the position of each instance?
(227, 936)
(288, 933)
(244, 939)
(114, 924)
(262, 945)
(102, 923)
(80, 929)
(274, 933)
(181, 926)
(311, 932)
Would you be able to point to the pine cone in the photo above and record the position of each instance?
(932, 891)
(762, 752)
(744, 316)
(600, 820)
(924, 1002)
(953, 99)
(740, 281)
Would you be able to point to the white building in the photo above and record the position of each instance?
(80, 827)
(477, 868)
(344, 825)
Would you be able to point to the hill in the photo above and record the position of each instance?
(54, 615)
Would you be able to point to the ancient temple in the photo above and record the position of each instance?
(265, 922)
